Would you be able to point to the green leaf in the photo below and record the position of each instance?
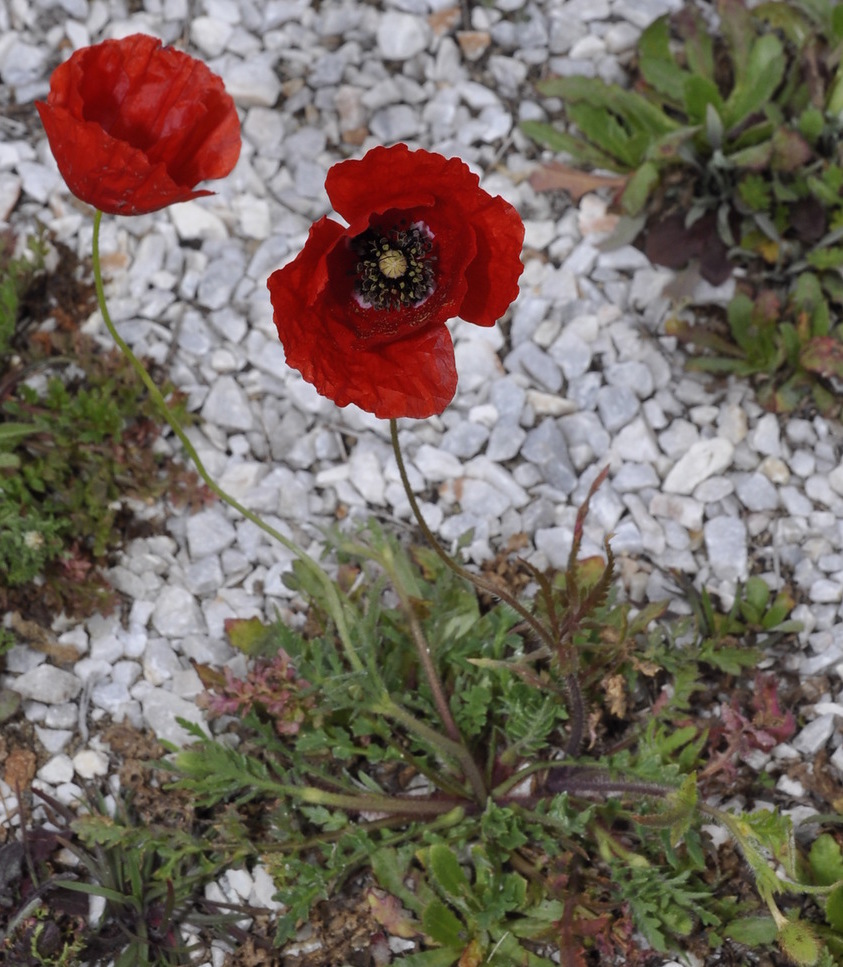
(754, 191)
(739, 30)
(826, 860)
(611, 134)
(442, 925)
(252, 637)
(700, 94)
(447, 873)
(639, 187)
(764, 72)
(655, 61)
(756, 594)
(834, 909)
(755, 158)
(811, 122)
(636, 110)
(441, 957)
(752, 931)
(739, 313)
(580, 150)
(799, 942)
(10, 432)
(699, 48)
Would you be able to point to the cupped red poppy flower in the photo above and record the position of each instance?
(361, 311)
(135, 126)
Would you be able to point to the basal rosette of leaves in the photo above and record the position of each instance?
(729, 143)
(577, 856)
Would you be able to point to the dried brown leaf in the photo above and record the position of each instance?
(556, 176)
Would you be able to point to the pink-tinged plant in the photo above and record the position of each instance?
(764, 731)
(270, 686)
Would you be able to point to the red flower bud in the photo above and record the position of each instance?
(134, 126)
(361, 311)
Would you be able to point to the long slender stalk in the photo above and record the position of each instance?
(577, 706)
(466, 758)
(432, 676)
(337, 611)
(479, 582)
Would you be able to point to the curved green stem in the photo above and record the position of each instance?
(337, 611)
(479, 582)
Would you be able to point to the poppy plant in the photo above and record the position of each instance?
(134, 126)
(361, 311)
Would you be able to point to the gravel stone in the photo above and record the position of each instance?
(757, 493)
(209, 532)
(57, 770)
(47, 684)
(726, 543)
(228, 406)
(545, 447)
(617, 406)
(89, 763)
(465, 440)
(176, 613)
(704, 459)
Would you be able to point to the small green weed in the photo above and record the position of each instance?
(75, 443)
(730, 144)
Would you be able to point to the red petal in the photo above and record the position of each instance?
(414, 376)
(493, 274)
(134, 125)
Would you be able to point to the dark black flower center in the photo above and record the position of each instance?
(394, 266)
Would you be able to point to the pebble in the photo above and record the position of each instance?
(227, 405)
(57, 770)
(176, 613)
(814, 736)
(401, 35)
(726, 544)
(617, 405)
(704, 459)
(48, 684)
(545, 447)
(465, 439)
(209, 532)
(89, 763)
(756, 492)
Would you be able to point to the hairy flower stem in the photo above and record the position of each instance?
(577, 706)
(397, 805)
(337, 611)
(466, 759)
(479, 582)
(432, 675)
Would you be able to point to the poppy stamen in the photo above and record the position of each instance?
(395, 267)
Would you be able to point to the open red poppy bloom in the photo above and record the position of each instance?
(134, 126)
(361, 311)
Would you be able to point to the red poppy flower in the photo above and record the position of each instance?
(362, 310)
(134, 126)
